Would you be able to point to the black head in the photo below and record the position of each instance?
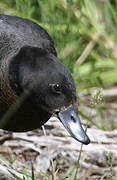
(50, 83)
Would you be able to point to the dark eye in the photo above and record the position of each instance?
(56, 88)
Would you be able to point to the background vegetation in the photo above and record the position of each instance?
(85, 35)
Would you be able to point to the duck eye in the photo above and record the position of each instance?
(56, 88)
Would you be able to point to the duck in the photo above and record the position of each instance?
(34, 84)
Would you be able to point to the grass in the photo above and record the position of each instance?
(71, 173)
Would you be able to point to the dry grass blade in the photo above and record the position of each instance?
(88, 49)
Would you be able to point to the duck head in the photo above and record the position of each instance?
(51, 85)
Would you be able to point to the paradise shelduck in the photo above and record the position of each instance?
(34, 84)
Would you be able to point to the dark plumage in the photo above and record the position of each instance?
(29, 66)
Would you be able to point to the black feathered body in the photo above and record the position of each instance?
(15, 33)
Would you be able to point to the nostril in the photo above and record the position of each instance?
(73, 118)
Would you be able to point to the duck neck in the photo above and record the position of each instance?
(7, 94)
